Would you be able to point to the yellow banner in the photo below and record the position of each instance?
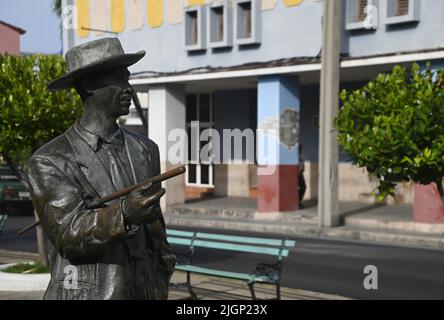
(82, 7)
(117, 11)
(154, 13)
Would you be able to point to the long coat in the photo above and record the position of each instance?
(93, 254)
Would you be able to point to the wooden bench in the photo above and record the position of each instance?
(3, 217)
(263, 272)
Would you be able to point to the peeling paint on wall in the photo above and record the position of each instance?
(154, 13)
(117, 13)
(175, 11)
(289, 128)
(136, 14)
(284, 127)
(82, 7)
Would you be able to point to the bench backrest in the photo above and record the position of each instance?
(3, 218)
(274, 247)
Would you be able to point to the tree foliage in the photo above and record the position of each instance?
(30, 115)
(57, 7)
(394, 127)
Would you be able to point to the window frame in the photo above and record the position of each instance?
(227, 19)
(413, 14)
(352, 22)
(255, 22)
(188, 28)
(202, 125)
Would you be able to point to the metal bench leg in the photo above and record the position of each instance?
(278, 291)
(190, 288)
(253, 294)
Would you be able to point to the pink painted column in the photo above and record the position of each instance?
(427, 204)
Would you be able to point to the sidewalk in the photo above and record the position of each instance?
(206, 288)
(386, 224)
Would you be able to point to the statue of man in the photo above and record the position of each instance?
(119, 251)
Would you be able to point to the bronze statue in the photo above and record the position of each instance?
(118, 251)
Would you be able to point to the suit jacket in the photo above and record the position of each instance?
(93, 254)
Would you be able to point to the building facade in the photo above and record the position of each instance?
(251, 65)
(10, 38)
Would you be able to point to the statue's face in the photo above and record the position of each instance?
(110, 91)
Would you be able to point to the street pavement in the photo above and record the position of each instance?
(337, 267)
(316, 265)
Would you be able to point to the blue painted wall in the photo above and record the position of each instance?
(286, 32)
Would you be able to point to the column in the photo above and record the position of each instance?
(328, 204)
(277, 143)
(166, 112)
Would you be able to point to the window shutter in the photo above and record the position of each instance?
(402, 8)
(247, 20)
(361, 10)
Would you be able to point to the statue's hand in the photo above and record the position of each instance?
(139, 209)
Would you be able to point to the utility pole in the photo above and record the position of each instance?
(328, 205)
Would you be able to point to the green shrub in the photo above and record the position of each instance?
(27, 268)
(394, 127)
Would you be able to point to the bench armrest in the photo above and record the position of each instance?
(184, 257)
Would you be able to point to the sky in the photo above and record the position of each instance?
(41, 24)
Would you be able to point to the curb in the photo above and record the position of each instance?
(22, 282)
(305, 230)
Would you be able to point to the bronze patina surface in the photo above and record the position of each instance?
(119, 251)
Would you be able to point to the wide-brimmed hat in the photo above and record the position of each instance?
(93, 56)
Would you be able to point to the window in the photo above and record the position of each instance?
(402, 7)
(245, 27)
(220, 24)
(199, 107)
(194, 28)
(362, 14)
(402, 11)
(193, 23)
(247, 22)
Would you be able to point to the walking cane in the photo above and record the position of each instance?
(123, 192)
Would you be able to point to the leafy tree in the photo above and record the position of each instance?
(394, 127)
(30, 115)
(57, 7)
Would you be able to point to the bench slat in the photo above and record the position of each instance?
(213, 272)
(251, 240)
(3, 218)
(180, 233)
(240, 239)
(225, 274)
(229, 246)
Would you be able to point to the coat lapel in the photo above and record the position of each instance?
(139, 157)
(93, 169)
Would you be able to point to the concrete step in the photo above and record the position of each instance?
(272, 227)
(389, 224)
(385, 236)
(10, 256)
(243, 213)
(247, 214)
